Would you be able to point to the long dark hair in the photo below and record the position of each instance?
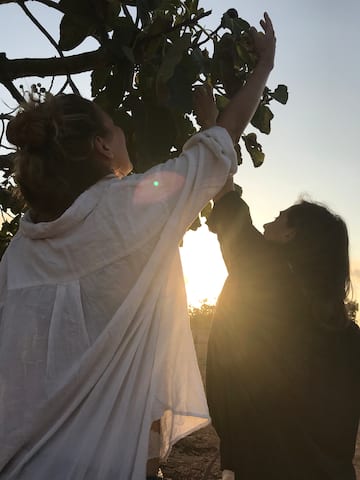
(55, 159)
(319, 254)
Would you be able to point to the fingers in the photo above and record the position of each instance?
(267, 25)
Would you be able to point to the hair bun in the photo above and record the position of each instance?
(30, 129)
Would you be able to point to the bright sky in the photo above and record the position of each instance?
(312, 149)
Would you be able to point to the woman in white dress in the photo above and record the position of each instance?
(95, 344)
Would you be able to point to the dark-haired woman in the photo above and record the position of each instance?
(95, 344)
(283, 369)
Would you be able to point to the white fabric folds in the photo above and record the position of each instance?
(95, 342)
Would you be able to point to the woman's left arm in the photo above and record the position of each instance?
(231, 221)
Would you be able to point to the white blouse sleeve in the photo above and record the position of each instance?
(173, 193)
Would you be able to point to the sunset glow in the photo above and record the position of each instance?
(203, 266)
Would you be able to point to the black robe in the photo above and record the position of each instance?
(283, 387)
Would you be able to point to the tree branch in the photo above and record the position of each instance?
(48, 3)
(46, 67)
(5, 79)
(27, 12)
(84, 62)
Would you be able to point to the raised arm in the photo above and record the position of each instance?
(242, 106)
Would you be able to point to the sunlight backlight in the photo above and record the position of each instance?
(203, 266)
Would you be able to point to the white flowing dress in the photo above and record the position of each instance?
(95, 342)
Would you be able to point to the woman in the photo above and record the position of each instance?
(95, 344)
(283, 369)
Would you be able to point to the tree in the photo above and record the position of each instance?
(151, 53)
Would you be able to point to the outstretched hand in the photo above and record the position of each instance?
(205, 108)
(264, 42)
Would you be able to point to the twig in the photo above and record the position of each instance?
(27, 12)
(48, 3)
(127, 13)
(2, 130)
(51, 84)
(209, 36)
(63, 87)
(11, 88)
(179, 26)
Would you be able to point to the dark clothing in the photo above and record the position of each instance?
(283, 388)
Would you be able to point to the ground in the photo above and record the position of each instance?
(196, 458)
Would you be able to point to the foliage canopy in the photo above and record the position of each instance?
(150, 55)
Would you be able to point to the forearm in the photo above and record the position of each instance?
(241, 108)
(230, 220)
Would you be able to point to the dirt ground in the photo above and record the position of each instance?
(196, 458)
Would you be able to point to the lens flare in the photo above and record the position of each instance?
(167, 184)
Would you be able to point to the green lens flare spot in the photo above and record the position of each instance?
(156, 183)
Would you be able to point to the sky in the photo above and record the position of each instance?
(312, 150)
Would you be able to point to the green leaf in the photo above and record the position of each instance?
(254, 148)
(280, 94)
(226, 65)
(245, 55)
(192, 5)
(124, 33)
(73, 31)
(236, 25)
(98, 79)
(111, 11)
(103, 12)
(221, 102)
(201, 61)
(155, 133)
(161, 22)
(172, 58)
(144, 7)
(117, 84)
(78, 7)
(262, 119)
(179, 87)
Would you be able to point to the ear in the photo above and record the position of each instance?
(102, 147)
